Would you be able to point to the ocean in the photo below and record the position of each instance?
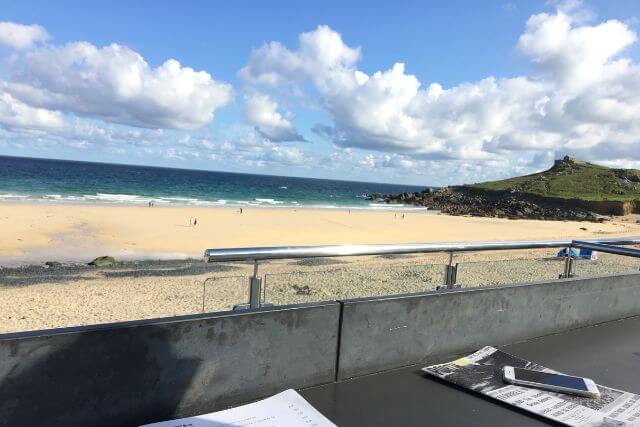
(63, 181)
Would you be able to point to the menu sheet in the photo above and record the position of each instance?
(286, 409)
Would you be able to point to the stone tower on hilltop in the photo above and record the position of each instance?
(566, 159)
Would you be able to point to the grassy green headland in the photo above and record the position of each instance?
(571, 179)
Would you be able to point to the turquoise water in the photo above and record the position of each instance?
(26, 179)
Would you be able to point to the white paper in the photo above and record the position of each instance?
(286, 409)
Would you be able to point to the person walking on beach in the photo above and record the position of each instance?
(240, 211)
(195, 221)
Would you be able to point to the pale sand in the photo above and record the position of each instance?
(41, 231)
(37, 298)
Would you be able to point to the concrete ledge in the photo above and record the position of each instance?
(384, 333)
(139, 372)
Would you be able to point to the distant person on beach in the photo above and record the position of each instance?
(402, 216)
(195, 221)
(240, 211)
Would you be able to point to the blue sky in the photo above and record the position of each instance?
(516, 84)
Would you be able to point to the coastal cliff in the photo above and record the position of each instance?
(569, 190)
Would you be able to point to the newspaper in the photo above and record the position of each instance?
(482, 373)
(286, 409)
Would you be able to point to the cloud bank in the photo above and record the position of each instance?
(582, 95)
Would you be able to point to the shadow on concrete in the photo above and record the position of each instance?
(97, 378)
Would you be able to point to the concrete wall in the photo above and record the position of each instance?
(385, 333)
(140, 372)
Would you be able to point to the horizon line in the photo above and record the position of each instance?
(214, 171)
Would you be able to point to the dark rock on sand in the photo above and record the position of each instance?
(302, 290)
(53, 264)
(103, 261)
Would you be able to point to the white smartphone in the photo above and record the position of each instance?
(550, 381)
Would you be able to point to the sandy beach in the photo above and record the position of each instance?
(37, 232)
(160, 272)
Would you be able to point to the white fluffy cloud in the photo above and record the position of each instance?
(111, 83)
(583, 95)
(18, 36)
(262, 112)
(573, 56)
(16, 114)
(318, 51)
(116, 84)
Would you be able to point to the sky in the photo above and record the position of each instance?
(425, 92)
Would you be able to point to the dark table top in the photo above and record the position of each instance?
(609, 353)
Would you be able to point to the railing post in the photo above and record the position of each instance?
(255, 287)
(568, 264)
(450, 273)
(455, 276)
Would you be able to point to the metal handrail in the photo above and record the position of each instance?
(616, 250)
(294, 252)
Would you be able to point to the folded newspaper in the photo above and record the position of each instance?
(286, 409)
(482, 372)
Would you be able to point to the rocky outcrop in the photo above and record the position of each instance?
(569, 190)
(466, 201)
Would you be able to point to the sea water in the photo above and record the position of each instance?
(28, 179)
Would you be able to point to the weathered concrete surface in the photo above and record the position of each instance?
(385, 333)
(141, 372)
(608, 353)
